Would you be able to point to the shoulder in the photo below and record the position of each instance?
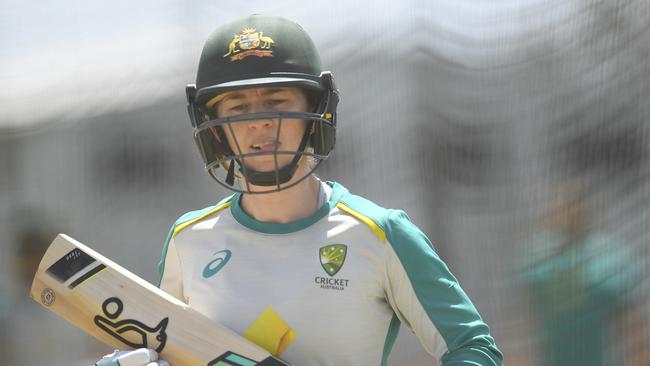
(186, 220)
(392, 225)
(193, 217)
(366, 211)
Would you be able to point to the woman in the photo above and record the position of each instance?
(301, 267)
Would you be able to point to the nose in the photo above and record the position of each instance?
(262, 122)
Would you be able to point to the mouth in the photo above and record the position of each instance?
(267, 145)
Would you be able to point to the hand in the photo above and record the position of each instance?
(138, 357)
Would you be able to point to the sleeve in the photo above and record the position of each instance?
(171, 274)
(428, 299)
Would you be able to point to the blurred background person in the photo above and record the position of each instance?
(582, 282)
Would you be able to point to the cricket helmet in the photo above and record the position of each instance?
(254, 52)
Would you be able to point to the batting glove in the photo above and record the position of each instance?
(138, 357)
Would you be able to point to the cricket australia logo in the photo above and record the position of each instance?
(332, 258)
(249, 43)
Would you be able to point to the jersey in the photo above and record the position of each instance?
(330, 289)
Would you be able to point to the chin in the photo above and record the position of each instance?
(266, 166)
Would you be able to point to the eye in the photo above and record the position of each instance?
(238, 108)
(276, 102)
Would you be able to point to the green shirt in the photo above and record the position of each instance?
(577, 287)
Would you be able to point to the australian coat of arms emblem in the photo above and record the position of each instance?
(249, 43)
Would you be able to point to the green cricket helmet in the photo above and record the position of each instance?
(255, 52)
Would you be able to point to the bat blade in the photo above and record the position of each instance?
(124, 311)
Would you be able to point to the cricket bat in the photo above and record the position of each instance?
(124, 311)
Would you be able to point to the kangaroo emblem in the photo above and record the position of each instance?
(267, 40)
(232, 48)
(130, 331)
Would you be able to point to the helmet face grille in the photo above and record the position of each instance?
(286, 153)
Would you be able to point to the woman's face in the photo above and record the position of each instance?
(264, 135)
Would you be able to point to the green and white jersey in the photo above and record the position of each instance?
(330, 289)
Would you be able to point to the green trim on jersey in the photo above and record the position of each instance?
(275, 228)
(185, 221)
(391, 336)
(467, 337)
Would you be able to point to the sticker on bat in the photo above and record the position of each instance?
(233, 359)
(70, 264)
(142, 335)
(47, 296)
(230, 358)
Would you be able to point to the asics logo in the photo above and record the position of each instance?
(220, 259)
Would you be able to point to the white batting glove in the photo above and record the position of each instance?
(138, 357)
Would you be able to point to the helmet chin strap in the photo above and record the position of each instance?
(230, 178)
(267, 179)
